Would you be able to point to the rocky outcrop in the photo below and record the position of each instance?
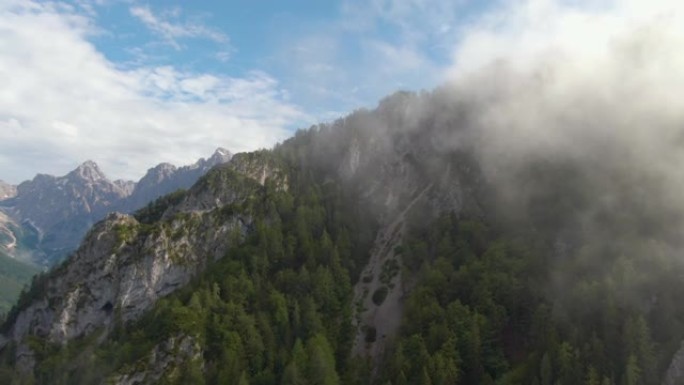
(120, 271)
(164, 361)
(379, 294)
(260, 166)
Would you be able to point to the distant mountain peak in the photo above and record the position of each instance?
(221, 155)
(163, 167)
(88, 164)
(88, 170)
(157, 174)
(222, 151)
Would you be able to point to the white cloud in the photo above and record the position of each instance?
(614, 53)
(63, 102)
(167, 27)
(596, 82)
(524, 31)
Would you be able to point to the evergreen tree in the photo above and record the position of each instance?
(321, 369)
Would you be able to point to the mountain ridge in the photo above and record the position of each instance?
(63, 208)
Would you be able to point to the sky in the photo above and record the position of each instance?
(130, 84)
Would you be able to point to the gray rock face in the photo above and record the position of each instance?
(163, 361)
(394, 153)
(121, 272)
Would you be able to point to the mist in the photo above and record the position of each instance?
(597, 87)
(573, 114)
(576, 117)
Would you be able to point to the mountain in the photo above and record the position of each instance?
(7, 190)
(45, 219)
(166, 178)
(62, 209)
(412, 243)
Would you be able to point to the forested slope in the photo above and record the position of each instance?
(538, 271)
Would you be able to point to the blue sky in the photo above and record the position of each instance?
(330, 56)
(131, 83)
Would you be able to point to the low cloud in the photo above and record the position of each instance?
(63, 102)
(577, 106)
(579, 80)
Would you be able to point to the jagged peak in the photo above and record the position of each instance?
(163, 167)
(155, 175)
(88, 170)
(221, 155)
(222, 151)
(89, 164)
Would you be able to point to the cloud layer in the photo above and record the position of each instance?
(63, 102)
(581, 80)
(579, 105)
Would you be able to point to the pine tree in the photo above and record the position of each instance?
(632, 371)
(321, 370)
(593, 377)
